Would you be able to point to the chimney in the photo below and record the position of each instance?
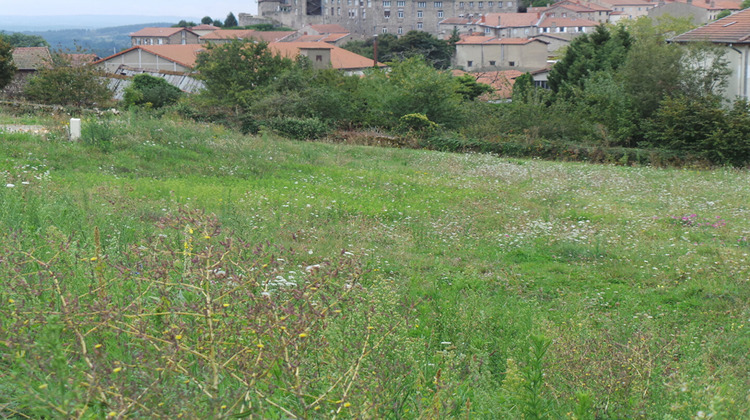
(483, 18)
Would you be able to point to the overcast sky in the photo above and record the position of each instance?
(217, 9)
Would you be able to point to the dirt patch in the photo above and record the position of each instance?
(18, 128)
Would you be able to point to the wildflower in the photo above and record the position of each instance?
(43, 386)
(347, 404)
(97, 346)
(112, 414)
(370, 327)
(11, 301)
(260, 346)
(10, 185)
(117, 369)
(178, 336)
(226, 305)
(303, 335)
(92, 259)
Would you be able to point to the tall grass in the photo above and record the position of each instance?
(191, 271)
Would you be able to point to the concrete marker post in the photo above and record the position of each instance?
(75, 129)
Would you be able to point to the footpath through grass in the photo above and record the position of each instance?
(170, 270)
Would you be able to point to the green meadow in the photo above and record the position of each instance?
(165, 269)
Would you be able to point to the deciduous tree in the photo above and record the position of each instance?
(7, 68)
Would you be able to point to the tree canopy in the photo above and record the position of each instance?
(7, 68)
(18, 39)
(230, 21)
(413, 44)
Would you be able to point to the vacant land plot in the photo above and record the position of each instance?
(166, 269)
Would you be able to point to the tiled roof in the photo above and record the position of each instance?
(501, 81)
(733, 29)
(588, 5)
(487, 40)
(559, 22)
(330, 29)
(712, 4)
(510, 20)
(267, 36)
(204, 27)
(158, 32)
(31, 58)
(640, 3)
(183, 55)
(321, 38)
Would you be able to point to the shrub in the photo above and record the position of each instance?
(98, 133)
(416, 124)
(146, 89)
(65, 83)
(298, 128)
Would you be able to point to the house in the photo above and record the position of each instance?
(701, 11)
(566, 25)
(733, 34)
(332, 34)
(509, 25)
(481, 53)
(578, 9)
(501, 80)
(628, 9)
(203, 29)
(365, 18)
(462, 25)
(556, 40)
(182, 58)
(226, 35)
(28, 60)
(163, 36)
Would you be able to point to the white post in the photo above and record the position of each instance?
(75, 129)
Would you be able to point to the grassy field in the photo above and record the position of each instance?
(164, 269)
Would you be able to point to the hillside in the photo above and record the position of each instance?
(103, 42)
(163, 268)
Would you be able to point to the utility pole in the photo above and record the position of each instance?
(375, 51)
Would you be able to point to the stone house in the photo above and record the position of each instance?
(481, 53)
(628, 9)
(163, 36)
(365, 18)
(733, 34)
(28, 60)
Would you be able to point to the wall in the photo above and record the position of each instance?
(141, 59)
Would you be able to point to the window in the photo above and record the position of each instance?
(481, 4)
(469, 63)
(400, 14)
(349, 2)
(489, 4)
(319, 58)
(364, 14)
(562, 29)
(419, 25)
(492, 63)
(385, 30)
(338, 11)
(440, 14)
(401, 3)
(419, 13)
(387, 14)
(580, 29)
(161, 41)
(511, 63)
(564, 14)
(487, 30)
(499, 4)
(422, 4)
(369, 3)
(461, 5)
(386, 4)
(471, 4)
(400, 30)
(438, 4)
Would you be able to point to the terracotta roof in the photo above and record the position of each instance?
(267, 36)
(81, 59)
(31, 58)
(640, 3)
(559, 22)
(321, 38)
(510, 20)
(501, 81)
(330, 29)
(733, 29)
(486, 40)
(158, 32)
(204, 27)
(341, 59)
(183, 55)
(712, 4)
(588, 5)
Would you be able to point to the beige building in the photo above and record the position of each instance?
(480, 53)
(701, 11)
(626, 9)
(365, 18)
(163, 36)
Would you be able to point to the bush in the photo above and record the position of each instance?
(146, 89)
(416, 124)
(298, 129)
(98, 133)
(65, 83)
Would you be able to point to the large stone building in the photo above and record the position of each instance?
(365, 18)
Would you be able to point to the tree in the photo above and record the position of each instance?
(64, 83)
(233, 71)
(230, 21)
(470, 89)
(184, 24)
(207, 20)
(7, 68)
(146, 89)
(419, 43)
(603, 50)
(218, 23)
(18, 39)
(723, 14)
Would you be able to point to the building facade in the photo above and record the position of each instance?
(365, 18)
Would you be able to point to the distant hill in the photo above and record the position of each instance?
(47, 23)
(102, 42)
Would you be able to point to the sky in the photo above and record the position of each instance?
(217, 9)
